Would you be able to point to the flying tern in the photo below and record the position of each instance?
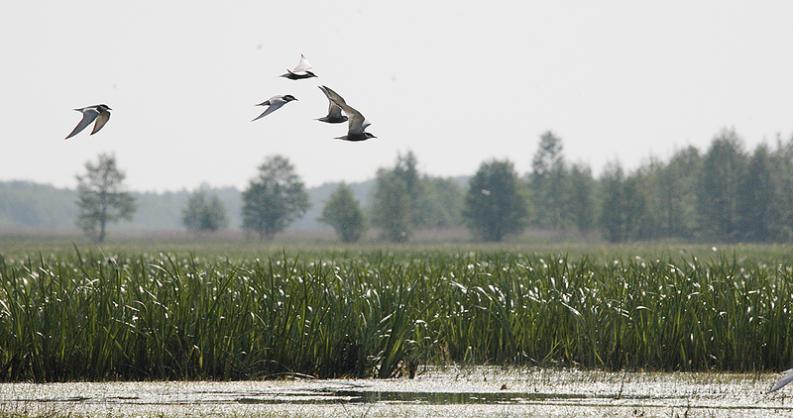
(300, 71)
(357, 124)
(99, 113)
(274, 103)
(334, 111)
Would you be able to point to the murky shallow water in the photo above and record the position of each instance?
(436, 392)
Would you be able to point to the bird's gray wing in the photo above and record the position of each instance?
(302, 66)
(787, 377)
(355, 118)
(334, 111)
(101, 120)
(356, 121)
(332, 95)
(88, 116)
(274, 105)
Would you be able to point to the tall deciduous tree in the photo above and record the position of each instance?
(101, 198)
(274, 198)
(204, 213)
(406, 168)
(391, 208)
(640, 216)
(756, 195)
(441, 203)
(494, 205)
(551, 189)
(676, 193)
(612, 211)
(344, 214)
(582, 202)
(722, 169)
(782, 206)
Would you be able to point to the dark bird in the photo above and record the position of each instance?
(787, 377)
(273, 104)
(356, 128)
(99, 113)
(334, 111)
(300, 71)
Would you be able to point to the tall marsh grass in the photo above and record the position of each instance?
(139, 316)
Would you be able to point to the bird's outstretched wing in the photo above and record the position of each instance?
(787, 377)
(101, 120)
(302, 66)
(356, 123)
(88, 116)
(356, 119)
(334, 111)
(332, 95)
(274, 105)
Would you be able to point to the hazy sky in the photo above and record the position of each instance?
(457, 82)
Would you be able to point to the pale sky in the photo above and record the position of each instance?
(458, 82)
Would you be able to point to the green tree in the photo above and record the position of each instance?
(406, 169)
(441, 203)
(676, 191)
(551, 189)
(274, 198)
(204, 213)
(641, 222)
(612, 211)
(582, 199)
(756, 197)
(722, 170)
(781, 211)
(392, 206)
(494, 205)
(101, 198)
(344, 214)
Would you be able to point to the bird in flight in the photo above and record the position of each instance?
(274, 103)
(301, 70)
(99, 113)
(787, 377)
(357, 124)
(334, 111)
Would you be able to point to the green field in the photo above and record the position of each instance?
(246, 310)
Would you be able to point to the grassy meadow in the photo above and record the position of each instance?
(224, 310)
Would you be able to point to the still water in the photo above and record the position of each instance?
(448, 392)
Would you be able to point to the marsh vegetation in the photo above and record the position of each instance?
(129, 314)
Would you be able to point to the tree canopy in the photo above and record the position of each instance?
(494, 205)
(274, 198)
(101, 197)
(344, 214)
(204, 213)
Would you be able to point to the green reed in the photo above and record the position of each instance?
(139, 316)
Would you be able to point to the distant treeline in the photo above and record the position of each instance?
(723, 193)
(28, 206)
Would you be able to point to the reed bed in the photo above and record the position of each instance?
(95, 316)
